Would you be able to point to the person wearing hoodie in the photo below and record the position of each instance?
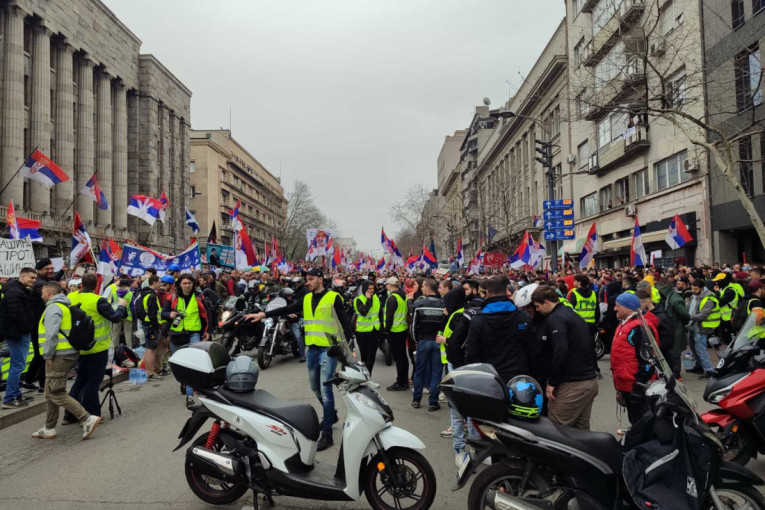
(705, 319)
(656, 315)
(367, 308)
(17, 326)
(427, 321)
(500, 334)
(472, 295)
(60, 357)
(674, 304)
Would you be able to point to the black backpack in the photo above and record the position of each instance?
(740, 315)
(82, 336)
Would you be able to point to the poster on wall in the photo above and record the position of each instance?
(220, 255)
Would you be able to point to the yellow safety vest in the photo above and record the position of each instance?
(726, 311)
(193, 320)
(73, 294)
(64, 329)
(89, 304)
(565, 302)
(399, 317)
(370, 321)
(320, 324)
(448, 333)
(585, 307)
(128, 297)
(655, 296)
(713, 320)
(146, 308)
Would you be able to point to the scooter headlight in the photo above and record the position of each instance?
(716, 398)
(368, 402)
(268, 322)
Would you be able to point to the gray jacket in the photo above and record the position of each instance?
(52, 322)
(698, 314)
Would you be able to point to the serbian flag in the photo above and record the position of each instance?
(637, 250)
(267, 254)
(590, 248)
(164, 204)
(41, 169)
(428, 257)
(475, 265)
(244, 254)
(336, 259)
(93, 191)
(537, 252)
(12, 222)
(677, 234)
(522, 255)
(460, 256)
(29, 228)
(234, 214)
(380, 264)
(107, 266)
(144, 207)
(385, 241)
(396, 257)
(81, 243)
(536, 221)
(312, 250)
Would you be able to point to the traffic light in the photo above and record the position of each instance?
(543, 148)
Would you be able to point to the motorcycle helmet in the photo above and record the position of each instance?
(526, 398)
(241, 374)
(523, 297)
(287, 293)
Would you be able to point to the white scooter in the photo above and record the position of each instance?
(260, 442)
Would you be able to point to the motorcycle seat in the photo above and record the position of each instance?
(302, 417)
(601, 445)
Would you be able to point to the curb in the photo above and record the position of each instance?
(12, 417)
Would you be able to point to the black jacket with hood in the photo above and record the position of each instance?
(16, 314)
(455, 344)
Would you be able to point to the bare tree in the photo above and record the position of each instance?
(407, 214)
(302, 214)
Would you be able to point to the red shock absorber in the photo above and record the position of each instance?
(212, 437)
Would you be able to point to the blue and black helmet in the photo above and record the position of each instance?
(526, 398)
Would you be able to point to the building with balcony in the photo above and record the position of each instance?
(450, 188)
(224, 172)
(75, 86)
(632, 157)
(734, 32)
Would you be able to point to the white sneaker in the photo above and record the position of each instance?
(44, 433)
(425, 391)
(89, 425)
(441, 397)
(372, 384)
(461, 459)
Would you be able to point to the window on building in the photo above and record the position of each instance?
(757, 6)
(192, 167)
(583, 153)
(589, 205)
(602, 13)
(748, 78)
(737, 13)
(193, 191)
(577, 5)
(224, 195)
(27, 38)
(622, 191)
(555, 122)
(640, 183)
(27, 91)
(582, 105)
(670, 171)
(558, 174)
(604, 197)
(222, 175)
(674, 89)
(746, 165)
(671, 17)
(525, 150)
(611, 128)
(579, 52)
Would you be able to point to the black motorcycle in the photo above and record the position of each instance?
(239, 335)
(670, 458)
(276, 339)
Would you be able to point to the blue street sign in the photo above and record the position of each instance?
(565, 203)
(558, 214)
(559, 235)
(559, 224)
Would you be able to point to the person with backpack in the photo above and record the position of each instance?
(92, 362)
(17, 326)
(55, 331)
(149, 311)
(752, 303)
(676, 308)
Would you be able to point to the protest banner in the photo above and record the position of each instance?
(222, 253)
(15, 254)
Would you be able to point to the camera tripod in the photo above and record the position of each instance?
(109, 389)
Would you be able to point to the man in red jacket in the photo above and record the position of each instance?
(631, 370)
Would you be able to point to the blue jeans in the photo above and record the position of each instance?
(193, 338)
(90, 373)
(427, 370)
(18, 351)
(458, 427)
(298, 335)
(321, 368)
(702, 356)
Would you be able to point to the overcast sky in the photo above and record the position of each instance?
(354, 97)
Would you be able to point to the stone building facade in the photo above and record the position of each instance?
(75, 86)
(222, 172)
(450, 188)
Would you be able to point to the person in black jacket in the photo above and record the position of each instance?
(664, 323)
(500, 335)
(17, 325)
(572, 382)
(427, 321)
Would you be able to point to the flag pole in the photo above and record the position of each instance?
(17, 171)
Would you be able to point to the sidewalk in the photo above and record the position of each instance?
(10, 417)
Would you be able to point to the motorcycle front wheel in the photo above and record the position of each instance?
(600, 347)
(737, 496)
(407, 483)
(264, 359)
(209, 489)
(739, 447)
(504, 477)
(385, 348)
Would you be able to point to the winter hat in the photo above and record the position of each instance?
(628, 300)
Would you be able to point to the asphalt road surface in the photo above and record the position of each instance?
(129, 463)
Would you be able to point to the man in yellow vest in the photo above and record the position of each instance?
(367, 308)
(17, 323)
(706, 319)
(92, 363)
(325, 323)
(59, 355)
(120, 289)
(584, 301)
(397, 328)
(729, 293)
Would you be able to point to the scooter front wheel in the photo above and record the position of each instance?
(407, 482)
(209, 489)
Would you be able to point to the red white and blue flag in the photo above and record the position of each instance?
(537, 221)
(164, 204)
(21, 228)
(590, 248)
(244, 253)
(537, 252)
(40, 168)
(380, 264)
(460, 256)
(522, 255)
(428, 257)
(677, 233)
(12, 222)
(637, 250)
(146, 208)
(476, 264)
(81, 243)
(337, 259)
(107, 261)
(95, 193)
(385, 241)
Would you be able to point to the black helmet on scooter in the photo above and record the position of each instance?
(526, 398)
(242, 374)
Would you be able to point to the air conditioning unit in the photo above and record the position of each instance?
(658, 47)
(571, 159)
(691, 165)
(630, 210)
(592, 163)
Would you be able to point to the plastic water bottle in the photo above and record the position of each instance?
(138, 376)
(139, 351)
(689, 361)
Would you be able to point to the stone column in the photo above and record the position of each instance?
(120, 198)
(104, 141)
(12, 134)
(64, 155)
(164, 164)
(39, 114)
(178, 216)
(85, 140)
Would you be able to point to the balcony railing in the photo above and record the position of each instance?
(634, 141)
(625, 17)
(615, 90)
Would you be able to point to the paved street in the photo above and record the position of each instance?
(128, 462)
